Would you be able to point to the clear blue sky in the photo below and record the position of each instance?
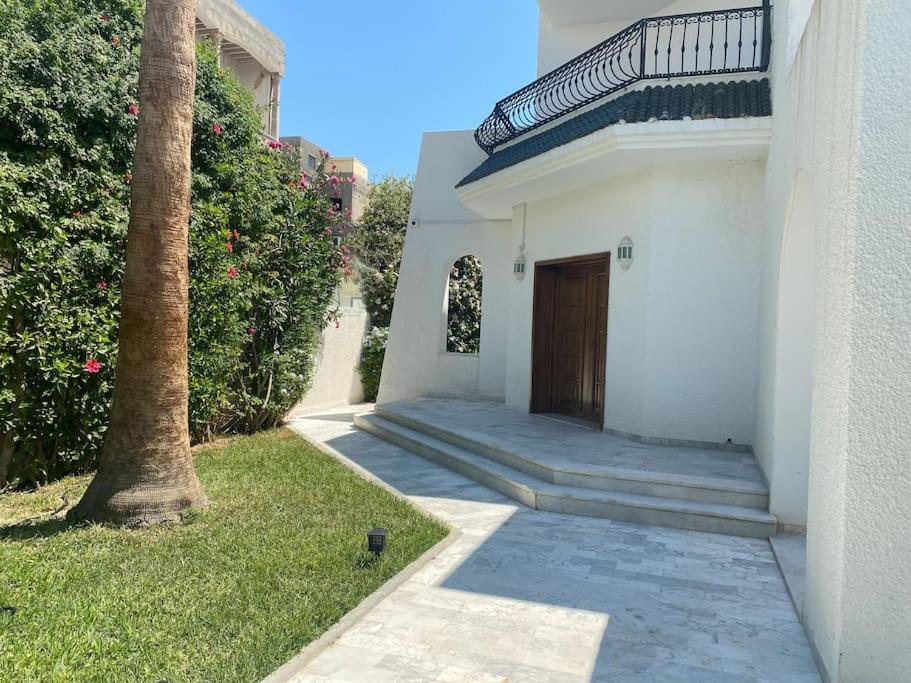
(366, 78)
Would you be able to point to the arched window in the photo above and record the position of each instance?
(463, 328)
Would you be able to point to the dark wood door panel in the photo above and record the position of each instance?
(570, 338)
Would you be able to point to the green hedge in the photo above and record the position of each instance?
(371, 366)
(263, 264)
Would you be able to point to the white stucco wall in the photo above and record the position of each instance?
(442, 231)
(788, 297)
(695, 269)
(696, 228)
(840, 162)
(337, 381)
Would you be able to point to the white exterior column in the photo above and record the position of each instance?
(274, 95)
(858, 605)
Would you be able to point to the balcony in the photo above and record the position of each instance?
(719, 42)
(611, 111)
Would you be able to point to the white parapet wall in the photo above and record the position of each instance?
(440, 232)
(337, 381)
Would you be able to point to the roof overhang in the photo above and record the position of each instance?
(612, 152)
(244, 38)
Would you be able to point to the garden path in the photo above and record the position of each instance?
(525, 595)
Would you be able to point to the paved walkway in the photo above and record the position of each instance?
(525, 595)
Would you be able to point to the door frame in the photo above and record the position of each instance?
(543, 318)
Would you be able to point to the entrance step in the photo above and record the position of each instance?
(561, 471)
(543, 495)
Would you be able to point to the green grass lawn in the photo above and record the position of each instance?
(277, 558)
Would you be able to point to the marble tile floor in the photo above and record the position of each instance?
(525, 595)
(563, 445)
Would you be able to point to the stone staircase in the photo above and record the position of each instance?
(536, 475)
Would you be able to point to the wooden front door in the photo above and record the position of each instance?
(570, 338)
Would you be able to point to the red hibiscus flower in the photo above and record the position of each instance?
(236, 235)
(102, 285)
(232, 272)
(216, 128)
(92, 366)
(229, 246)
(133, 110)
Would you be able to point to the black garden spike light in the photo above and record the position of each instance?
(376, 541)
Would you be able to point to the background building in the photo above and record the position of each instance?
(348, 196)
(248, 49)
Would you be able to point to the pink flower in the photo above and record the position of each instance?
(251, 331)
(274, 144)
(334, 180)
(331, 212)
(232, 272)
(92, 366)
(349, 214)
(102, 285)
(115, 41)
(229, 247)
(133, 110)
(236, 235)
(352, 180)
(343, 248)
(303, 183)
(216, 128)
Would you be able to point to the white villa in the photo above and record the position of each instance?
(695, 239)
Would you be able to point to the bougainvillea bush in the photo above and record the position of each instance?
(263, 265)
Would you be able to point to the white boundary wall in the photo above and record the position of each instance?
(337, 381)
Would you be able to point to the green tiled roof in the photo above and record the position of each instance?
(733, 100)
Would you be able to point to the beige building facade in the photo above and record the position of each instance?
(249, 50)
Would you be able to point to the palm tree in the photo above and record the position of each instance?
(145, 474)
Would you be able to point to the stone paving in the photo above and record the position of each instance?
(555, 444)
(524, 595)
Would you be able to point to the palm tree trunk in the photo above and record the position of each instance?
(145, 473)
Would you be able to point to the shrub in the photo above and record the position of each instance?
(464, 312)
(378, 241)
(371, 366)
(259, 296)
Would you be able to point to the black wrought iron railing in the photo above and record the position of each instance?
(684, 45)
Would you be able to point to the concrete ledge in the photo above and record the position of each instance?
(542, 495)
(708, 489)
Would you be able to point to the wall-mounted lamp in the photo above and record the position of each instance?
(518, 266)
(625, 253)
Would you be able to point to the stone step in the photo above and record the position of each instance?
(718, 490)
(535, 493)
